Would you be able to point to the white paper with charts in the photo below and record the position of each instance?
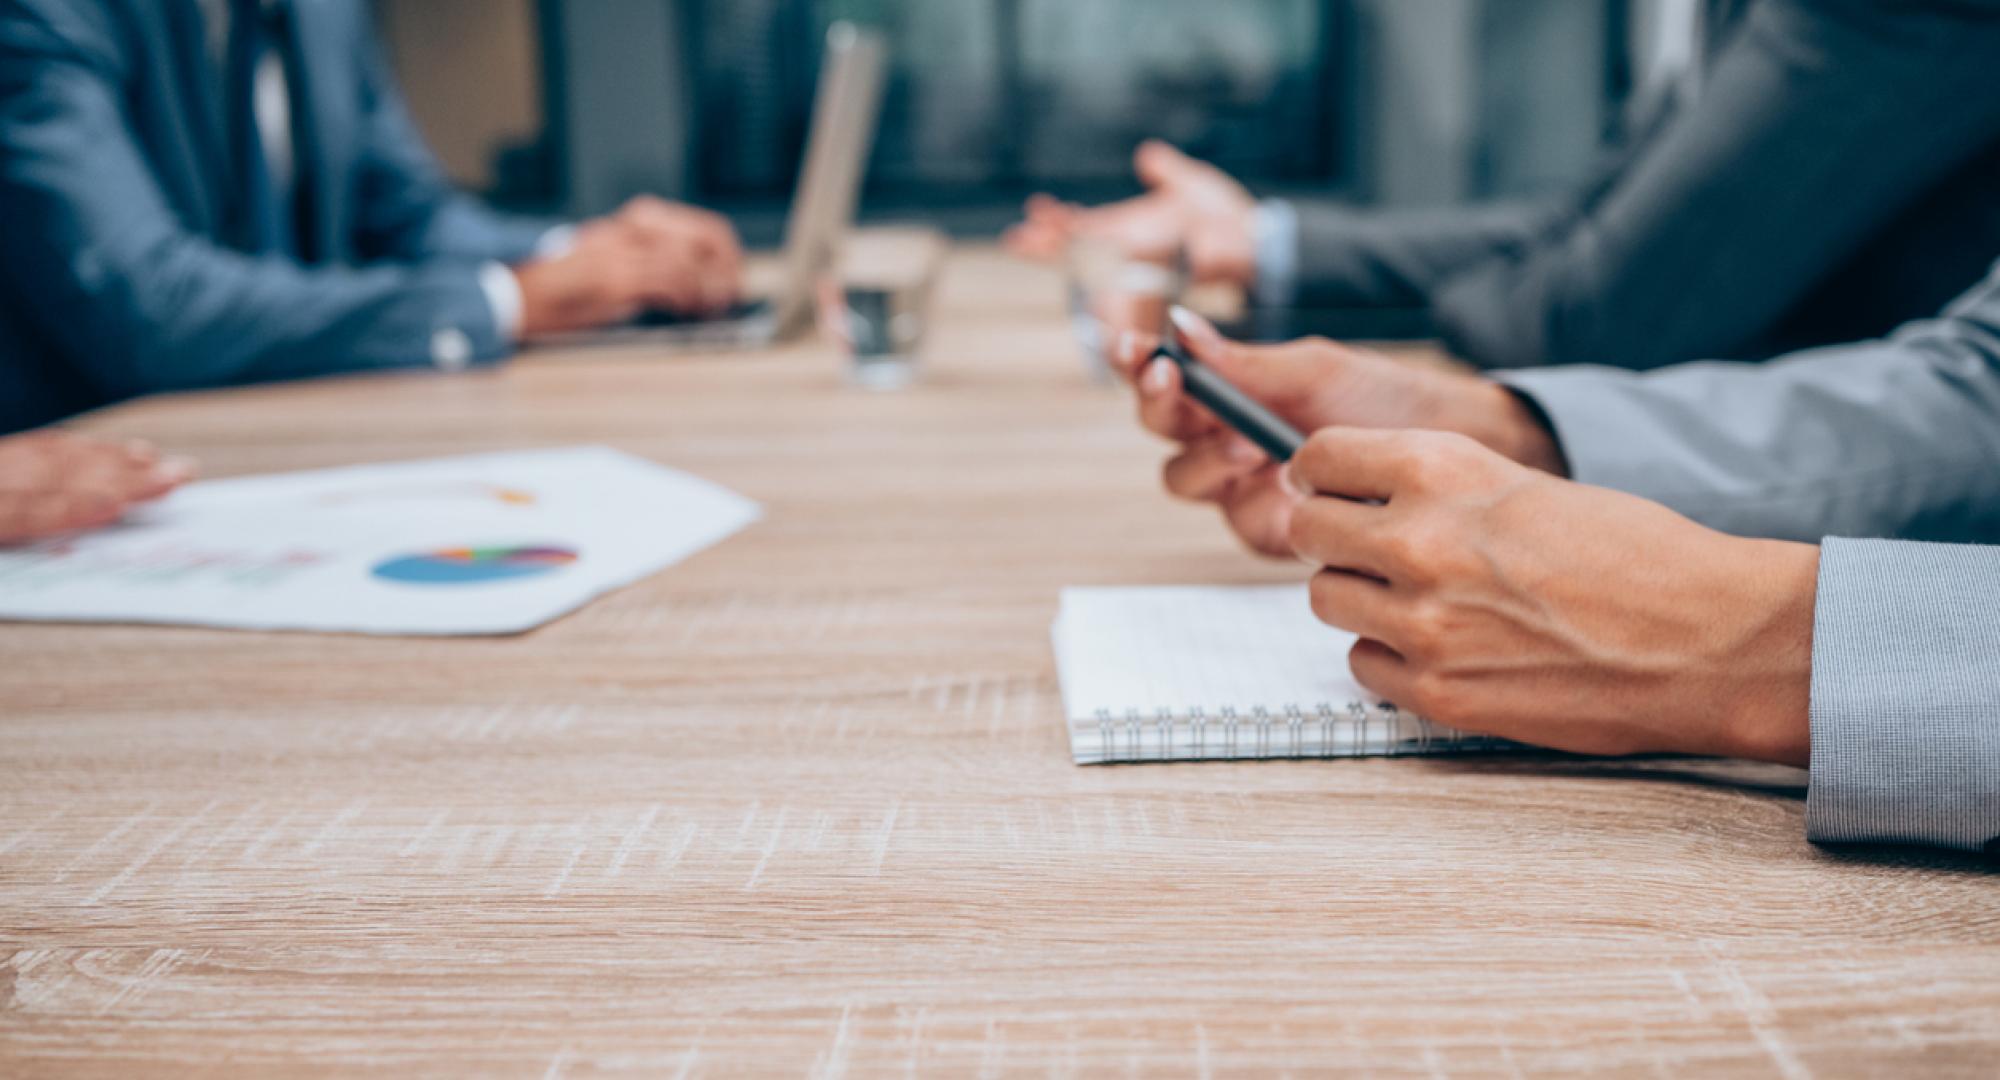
(1196, 674)
(487, 544)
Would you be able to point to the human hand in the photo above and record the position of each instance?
(651, 254)
(1500, 600)
(1312, 384)
(52, 482)
(700, 255)
(1189, 207)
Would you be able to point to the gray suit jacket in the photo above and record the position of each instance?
(1893, 438)
(122, 274)
(1831, 181)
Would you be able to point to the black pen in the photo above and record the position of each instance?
(1230, 405)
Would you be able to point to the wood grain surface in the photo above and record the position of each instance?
(803, 804)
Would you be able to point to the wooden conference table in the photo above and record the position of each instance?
(804, 804)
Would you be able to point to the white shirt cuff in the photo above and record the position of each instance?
(1274, 229)
(556, 243)
(503, 296)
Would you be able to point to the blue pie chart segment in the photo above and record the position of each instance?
(474, 565)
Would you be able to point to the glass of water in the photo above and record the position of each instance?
(876, 305)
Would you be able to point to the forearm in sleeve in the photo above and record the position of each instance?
(1350, 258)
(1897, 437)
(1820, 123)
(1906, 695)
(137, 303)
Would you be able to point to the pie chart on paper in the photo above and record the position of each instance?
(475, 565)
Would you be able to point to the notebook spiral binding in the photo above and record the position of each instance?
(1295, 731)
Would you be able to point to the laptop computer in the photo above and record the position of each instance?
(845, 109)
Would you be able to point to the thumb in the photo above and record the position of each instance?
(1272, 375)
(1160, 165)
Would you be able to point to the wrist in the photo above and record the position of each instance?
(1512, 425)
(1767, 715)
(544, 308)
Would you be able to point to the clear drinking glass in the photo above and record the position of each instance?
(876, 303)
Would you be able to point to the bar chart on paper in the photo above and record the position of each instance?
(489, 544)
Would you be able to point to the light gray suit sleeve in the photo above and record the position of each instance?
(1906, 695)
(1888, 438)
(1898, 437)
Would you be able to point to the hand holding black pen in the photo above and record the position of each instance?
(1235, 413)
(1232, 406)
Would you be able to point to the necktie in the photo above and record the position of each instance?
(266, 221)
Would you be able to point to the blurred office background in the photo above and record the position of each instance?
(571, 105)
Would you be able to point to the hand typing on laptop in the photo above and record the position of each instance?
(650, 255)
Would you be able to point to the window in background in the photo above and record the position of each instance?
(1403, 102)
(991, 98)
(1243, 84)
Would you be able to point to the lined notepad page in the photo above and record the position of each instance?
(1179, 673)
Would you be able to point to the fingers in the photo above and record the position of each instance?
(1383, 671)
(674, 274)
(1346, 535)
(34, 515)
(1160, 164)
(1045, 230)
(691, 259)
(1259, 511)
(1167, 412)
(1032, 241)
(1122, 309)
(700, 280)
(678, 288)
(107, 468)
(1148, 228)
(1358, 463)
(50, 461)
(1049, 211)
(1208, 467)
(1357, 604)
(719, 239)
(161, 478)
(54, 482)
(719, 254)
(1280, 376)
(139, 452)
(718, 272)
(1131, 352)
(1164, 410)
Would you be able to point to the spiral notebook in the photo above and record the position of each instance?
(1200, 674)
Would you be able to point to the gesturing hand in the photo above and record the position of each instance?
(1501, 600)
(1189, 206)
(53, 482)
(1313, 383)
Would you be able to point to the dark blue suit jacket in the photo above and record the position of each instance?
(118, 273)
